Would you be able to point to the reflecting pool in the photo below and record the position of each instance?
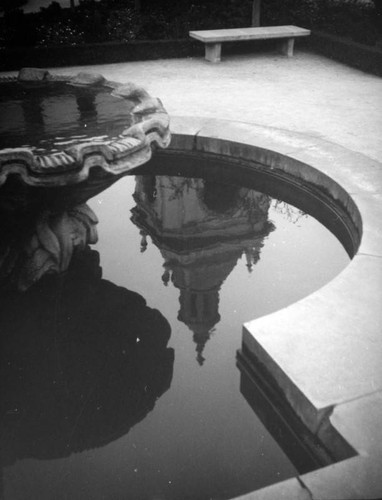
(121, 315)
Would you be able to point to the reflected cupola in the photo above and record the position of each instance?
(202, 229)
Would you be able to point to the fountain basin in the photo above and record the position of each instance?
(71, 120)
(330, 376)
(186, 240)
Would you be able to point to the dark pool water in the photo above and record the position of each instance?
(50, 118)
(119, 376)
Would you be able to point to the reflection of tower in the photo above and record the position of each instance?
(87, 107)
(202, 229)
(199, 285)
(33, 111)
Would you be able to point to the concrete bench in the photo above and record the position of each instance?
(213, 39)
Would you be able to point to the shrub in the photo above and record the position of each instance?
(122, 25)
(53, 11)
(16, 30)
(59, 33)
(155, 26)
(351, 18)
(92, 22)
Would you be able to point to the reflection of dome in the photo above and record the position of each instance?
(202, 229)
(82, 361)
(186, 209)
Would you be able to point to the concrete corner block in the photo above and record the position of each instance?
(359, 422)
(322, 344)
(312, 414)
(357, 478)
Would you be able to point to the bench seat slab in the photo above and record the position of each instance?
(242, 34)
(214, 38)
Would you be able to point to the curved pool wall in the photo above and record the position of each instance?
(323, 353)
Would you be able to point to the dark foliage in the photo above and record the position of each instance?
(7, 5)
(127, 20)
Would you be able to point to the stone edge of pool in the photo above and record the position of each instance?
(325, 350)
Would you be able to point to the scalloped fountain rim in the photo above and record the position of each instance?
(132, 148)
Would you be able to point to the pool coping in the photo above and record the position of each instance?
(333, 382)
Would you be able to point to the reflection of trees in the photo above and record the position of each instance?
(82, 361)
(291, 213)
(202, 229)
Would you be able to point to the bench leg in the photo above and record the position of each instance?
(287, 47)
(213, 52)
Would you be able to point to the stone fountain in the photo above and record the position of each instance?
(71, 158)
(62, 140)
